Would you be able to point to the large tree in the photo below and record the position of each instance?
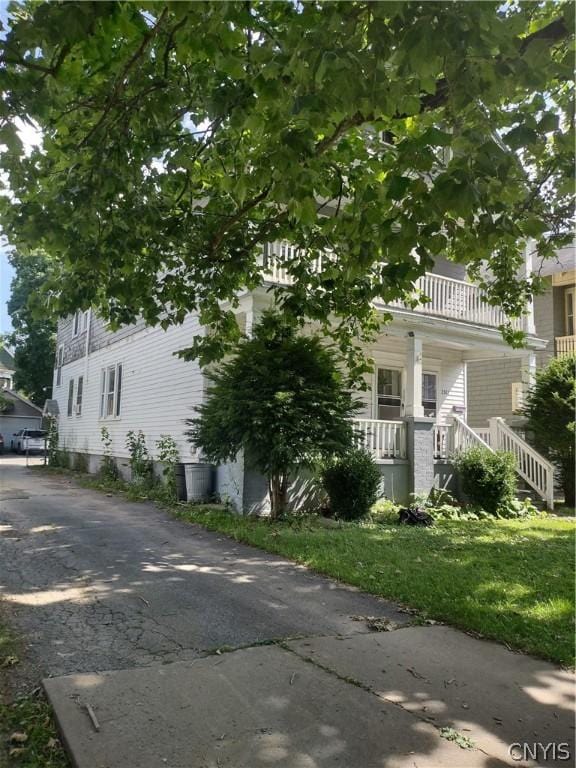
(177, 138)
(33, 337)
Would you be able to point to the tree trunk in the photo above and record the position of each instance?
(278, 492)
(568, 484)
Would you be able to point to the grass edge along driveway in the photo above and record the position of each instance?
(509, 580)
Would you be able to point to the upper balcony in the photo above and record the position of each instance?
(441, 297)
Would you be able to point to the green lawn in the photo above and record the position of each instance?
(511, 580)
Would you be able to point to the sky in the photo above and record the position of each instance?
(6, 273)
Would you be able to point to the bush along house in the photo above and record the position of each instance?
(414, 408)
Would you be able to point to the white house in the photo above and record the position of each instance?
(414, 409)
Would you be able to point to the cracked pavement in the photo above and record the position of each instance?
(121, 609)
(94, 582)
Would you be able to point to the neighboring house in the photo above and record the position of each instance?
(414, 411)
(17, 414)
(7, 369)
(496, 387)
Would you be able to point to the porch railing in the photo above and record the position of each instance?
(533, 468)
(445, 297)
(565, 345)
(442, 436)
(530, 465)
(384, 439)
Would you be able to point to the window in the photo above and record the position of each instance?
(429, 394)
(59, 361)
(569, 301)
(517, 396)
(111, 391)
(79, 392)
(70, 396)
(389, 393)
(80, 323)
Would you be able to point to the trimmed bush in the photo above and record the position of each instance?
(352, 483)
(488, 479)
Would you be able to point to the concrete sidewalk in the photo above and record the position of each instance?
(418, 697)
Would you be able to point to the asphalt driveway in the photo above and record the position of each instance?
(162, 644)
(96, 583)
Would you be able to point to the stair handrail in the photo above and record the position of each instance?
(460, 426)
(532, 467)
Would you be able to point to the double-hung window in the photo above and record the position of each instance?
(80, 323)
(59, 361)
(430, 394)
(70, 397)
(111, 391)
(389, 393)
(569, 302)
(79, 393)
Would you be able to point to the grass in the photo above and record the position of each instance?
(28, 736)
(509, 580)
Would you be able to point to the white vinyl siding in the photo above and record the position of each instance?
(158, 391)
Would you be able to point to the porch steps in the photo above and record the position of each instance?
(536, 472)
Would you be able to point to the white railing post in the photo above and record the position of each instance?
(494, 434)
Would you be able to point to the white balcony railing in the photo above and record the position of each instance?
(384, 439)
(457, 300)
(565, 345)
(445, 297)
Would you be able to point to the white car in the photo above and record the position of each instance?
(29, 441)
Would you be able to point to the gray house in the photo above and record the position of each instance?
(17, 413)
(496, 386)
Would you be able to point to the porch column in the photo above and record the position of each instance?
(413, 396)
(420, 448)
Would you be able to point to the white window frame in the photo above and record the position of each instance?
(59, 362)
(437, 377)
(111, 394)
(79, 323)
(70, 406)
(567, 316)
(517, 388)
(387, 367)
(79, 395)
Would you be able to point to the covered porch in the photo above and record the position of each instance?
(414, 407)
